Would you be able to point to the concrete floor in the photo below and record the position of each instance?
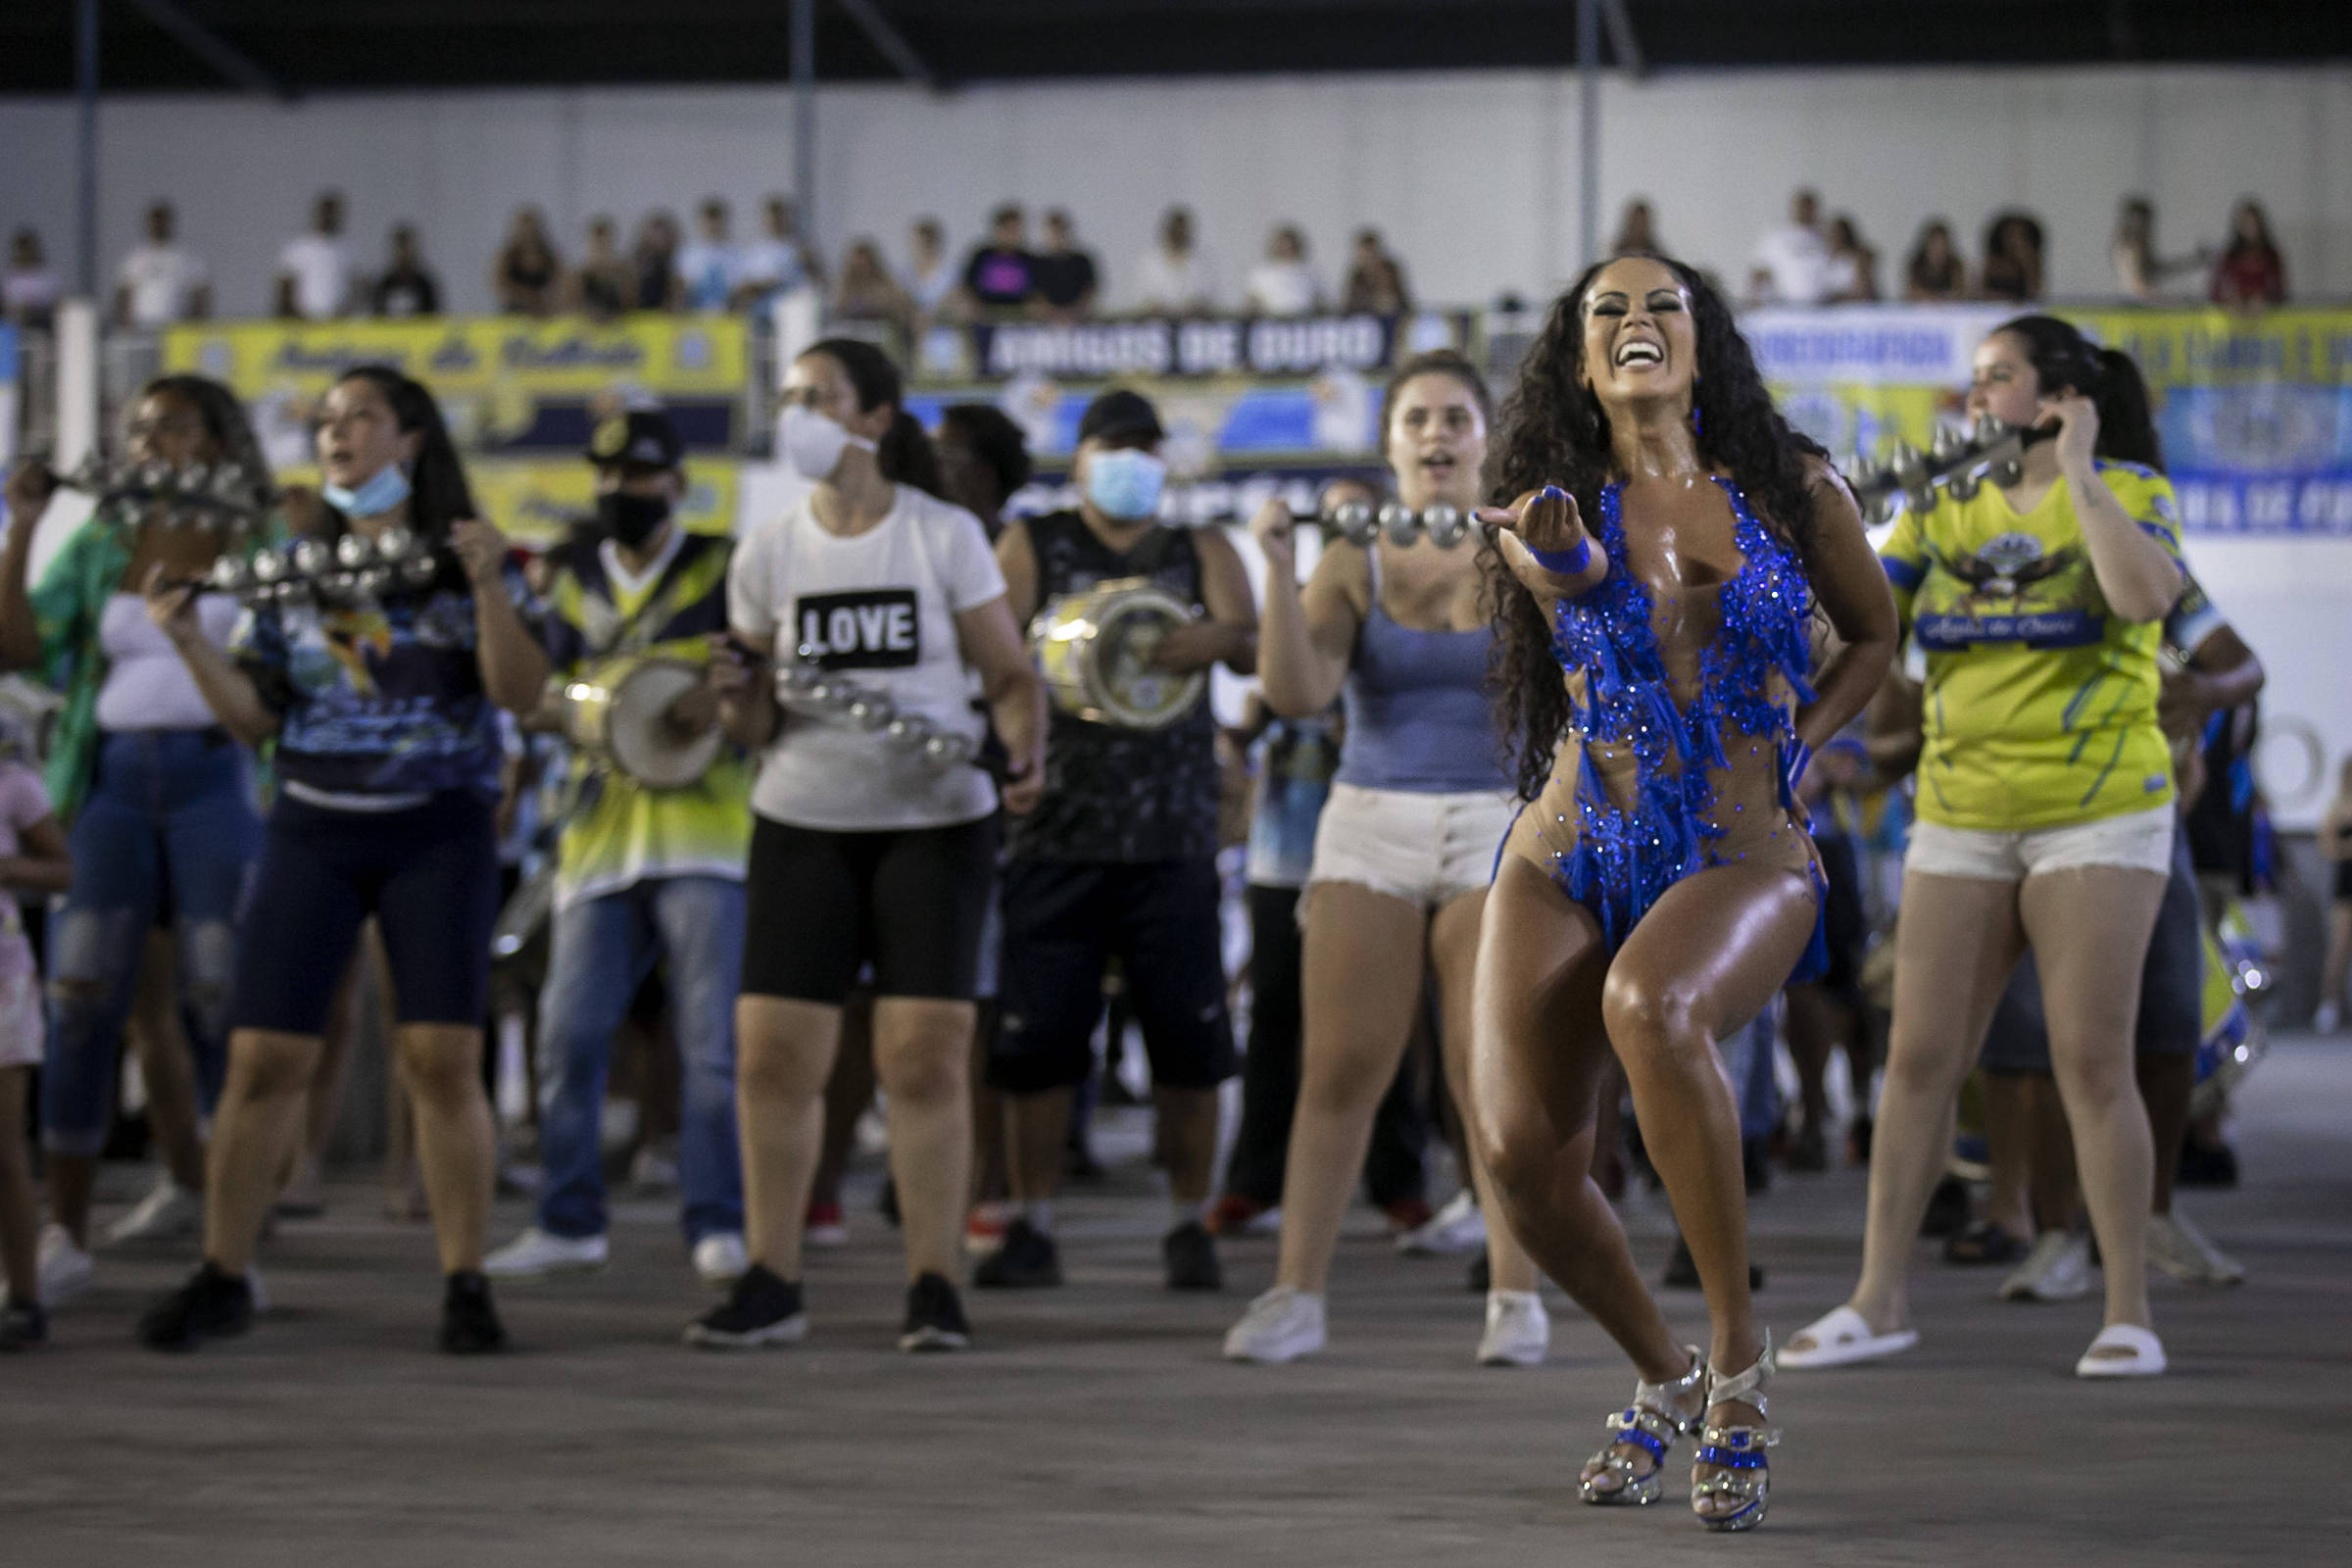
(1097, 1424)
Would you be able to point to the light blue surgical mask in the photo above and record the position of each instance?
(374, 498)
(1125, 483)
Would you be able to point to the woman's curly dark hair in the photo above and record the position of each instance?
(1552, 431)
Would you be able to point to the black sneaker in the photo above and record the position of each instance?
(1481, 1278)
(469, 1324)
(1026, 1258)
(1192, 1258)
(2207, 1166)
(213, 1305)
(1947, 1209)
(761, 1310)
(935, 1318)
(23, 1324)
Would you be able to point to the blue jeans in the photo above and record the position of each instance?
(168, 827)
(602, 950)
(1747, 1060)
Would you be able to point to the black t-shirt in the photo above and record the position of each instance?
(1062, 280)
(1114, 794)
(1001, 277)
(412, 293)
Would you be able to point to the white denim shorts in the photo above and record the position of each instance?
(1428, 849)
(2139, 841)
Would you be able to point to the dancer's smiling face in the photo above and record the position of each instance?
(1640, 341)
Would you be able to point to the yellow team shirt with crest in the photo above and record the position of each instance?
(2041, 701)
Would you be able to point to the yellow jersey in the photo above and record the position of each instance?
(2041, 702)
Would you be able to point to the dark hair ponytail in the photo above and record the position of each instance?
(2062, 356)
(904, 453)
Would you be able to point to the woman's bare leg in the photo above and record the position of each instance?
(1957, 941)
(784, 1052)
(1361, 980)
(20, 1214)
(2091, 928)
(923, 1049)
(457, 1147)
(1454, 963)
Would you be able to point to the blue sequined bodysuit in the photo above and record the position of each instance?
(1683, 703)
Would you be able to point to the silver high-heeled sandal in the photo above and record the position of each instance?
(1651, 1423)
(1743, 1472)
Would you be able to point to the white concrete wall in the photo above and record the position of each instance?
(1473, 176)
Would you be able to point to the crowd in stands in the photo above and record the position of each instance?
(1813, 259)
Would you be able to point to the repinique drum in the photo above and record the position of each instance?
(615, 713)
(1095, 649)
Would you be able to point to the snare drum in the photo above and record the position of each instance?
(614, 713)
(1095, 649)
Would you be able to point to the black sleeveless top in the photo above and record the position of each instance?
(1123, 796)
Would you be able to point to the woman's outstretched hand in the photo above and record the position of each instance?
(1542, 540)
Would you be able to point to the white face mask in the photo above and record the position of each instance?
(812, 443)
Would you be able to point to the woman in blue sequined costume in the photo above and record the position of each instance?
(1658, 887)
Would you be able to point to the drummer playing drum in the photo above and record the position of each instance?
(1119, 859)
(642, 872)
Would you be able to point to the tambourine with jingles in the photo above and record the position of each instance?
(617, 714)
(1095, 647)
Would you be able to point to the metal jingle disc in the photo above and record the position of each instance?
(871, 712)
(1987, 430)
(269, 566)
(417, 570)
(1949, 443)
(947, 751)
(229, 574)
(354, 549)
(1355, 522)
(395, 543)
(1908, 466)
(308, 557)
(1399, 522)
(1963, 486)
(1445, 525)
(193, 479)
(2006, 472)
(799, 675)
(907, 734)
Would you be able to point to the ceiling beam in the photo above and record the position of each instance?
(891, 44)
(196, 35)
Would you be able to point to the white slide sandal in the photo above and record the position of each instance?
(1842, 1339)
(2146, 1359)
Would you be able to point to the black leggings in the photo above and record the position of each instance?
(819, 905)
(428, 874)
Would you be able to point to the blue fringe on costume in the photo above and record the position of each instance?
(1626, 856)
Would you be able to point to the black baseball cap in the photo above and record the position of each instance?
(642, 438)
(1121, 412)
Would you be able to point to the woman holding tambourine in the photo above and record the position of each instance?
(158, 796)
(384, 711)
(867, 844)
(1406, 847)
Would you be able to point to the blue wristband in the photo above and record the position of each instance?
(1565, 563)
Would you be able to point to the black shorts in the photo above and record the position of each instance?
(1063, 923)
(428, 874)
(820, 905)
(2171, 986)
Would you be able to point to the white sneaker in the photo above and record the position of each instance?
(535, 1253)
(2177, 1247)
(65, 1268)
(720, 1259)
(2326, 1019)
(1457, 1228)
(168, 1212)
(1279, 1326)
(2058, 1269)
(1518, 1330)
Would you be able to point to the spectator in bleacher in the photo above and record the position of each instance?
(1638, 231)
(1001, 274)
(1792, 263)
(605, 284)
(867, 292)
(930, 278)
(654, 261)
(29, 291)
(1175, 277)
(1935, 269)
(2251, 273)
(1064, 276)
(2012, 259)
(2140, 268)
(778, 261)
(1854, 272)
(315, 271)
(408, 287)
(527, 278)
(710, 268)
(159, 281)
(1376, 284)
(1283, 284)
